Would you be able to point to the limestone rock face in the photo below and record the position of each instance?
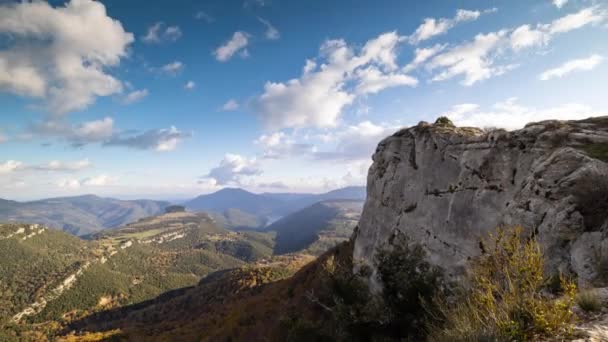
(446, 187)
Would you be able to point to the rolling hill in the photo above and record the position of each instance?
(231, 198)
(317, 228)
(51, 276)
(249, 210)
(79, 215)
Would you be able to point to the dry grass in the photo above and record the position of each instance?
(589, 301)
(505, 300)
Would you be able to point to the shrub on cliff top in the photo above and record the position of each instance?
(443, 121)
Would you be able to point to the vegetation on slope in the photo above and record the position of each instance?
(326, 301)
(35, 260)
(119, 267)
(317, 228)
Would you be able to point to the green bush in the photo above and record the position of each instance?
(398, 312)
(443, 121)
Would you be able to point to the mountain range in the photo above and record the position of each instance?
(232, 208)
(80, 215)
(267, 207)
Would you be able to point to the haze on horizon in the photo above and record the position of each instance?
(187, 98)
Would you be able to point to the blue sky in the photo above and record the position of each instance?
(130, 99)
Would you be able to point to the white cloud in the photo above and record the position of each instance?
(356, 142)
(271, 32)
(94, 130)
(325, 88)
(201, 15)
(278, 145)
(135, 96)
(238, 42)
(559, 3)
(159, 33)
(59, 55)
(172, 68)
(161, 140)
(477, 60)
(230, 105)
(57, 165)
(511, 115)
(77, 135)
(474, 59)
(583, 64)
(525, 36)
(101, 180)
(190, 85)
(10, 166)
(102, 131)
(233, 168)
(69, 183)
(421, 55)
(432, 27)
(96, 181)
(372, 80)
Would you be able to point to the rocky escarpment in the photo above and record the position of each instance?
(446, 186)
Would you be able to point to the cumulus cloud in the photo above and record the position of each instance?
(101, 180)
(190, 85)
(559, 3)
(238, 42)
(60, 54)
(230, 105)
(479, 59)
(527, 36)
(233, 168)
(474, 60)
(159, 32)
(279, 145)
(102, 131)
(331, 83)
(59, 166)
(582, 64)
(96, 181)
(68, 183)
(422, 55)
(10, 166)
(356, 142)
(432, 27)
(271, 32)
(161, 140)
(135, 96)
(77, 135)
(172, 68)
(511, 115)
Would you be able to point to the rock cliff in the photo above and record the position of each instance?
(446, 186)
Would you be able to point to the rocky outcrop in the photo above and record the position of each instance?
(445, 187)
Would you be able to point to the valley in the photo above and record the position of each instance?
(49, 284)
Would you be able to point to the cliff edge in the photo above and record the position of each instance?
(446, 187)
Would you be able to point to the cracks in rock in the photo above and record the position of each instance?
(513, 174)
(455, 250)
(412, 158)
(451, 190)
(410, 208)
